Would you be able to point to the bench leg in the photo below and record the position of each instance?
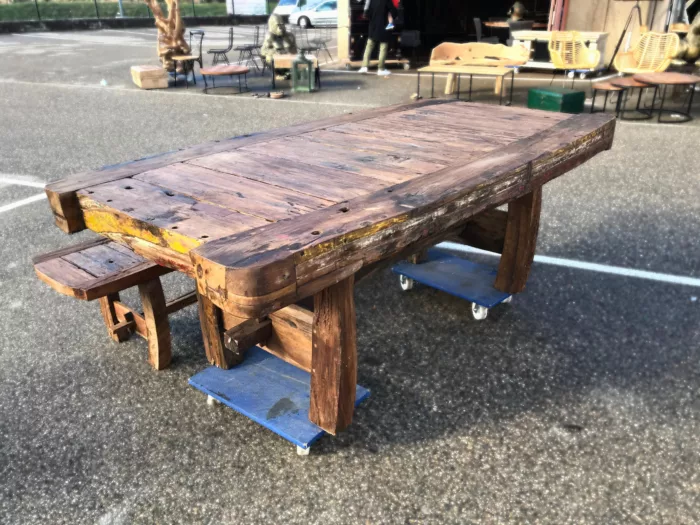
(156, 317)
(522, 228)
(116, 329)
(334, 357)
(211, 319)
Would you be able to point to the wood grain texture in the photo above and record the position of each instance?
(94, 269)
(520, 242)
(212, 323)
(265, 268)
(156, 318)
(334, 358)
(62, 195)
(291, 338)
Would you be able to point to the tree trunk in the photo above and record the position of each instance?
(171, 32)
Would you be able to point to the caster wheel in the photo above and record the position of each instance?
(516, 70)
(509, 300)
(479, 312)
(406, 67)
(582, 76)
(570, 74)
(303, 451)
(348, 67)
(406, 283)
(212, 401)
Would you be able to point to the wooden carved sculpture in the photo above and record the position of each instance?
(171, 32)
(689, 49)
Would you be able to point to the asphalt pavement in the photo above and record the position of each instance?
(576, 404)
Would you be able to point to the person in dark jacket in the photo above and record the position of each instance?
(378, 12)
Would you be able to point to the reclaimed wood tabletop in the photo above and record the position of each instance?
(266, 220)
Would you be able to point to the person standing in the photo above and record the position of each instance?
(378, 12)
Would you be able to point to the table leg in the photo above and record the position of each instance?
(499, 86)
(471, 78)
(109, 314)
(334, 357)
(459, 83)
(418, 86)
(661, 106)
(156, 317)
(520, 242)
(512, 86)
(211, 319)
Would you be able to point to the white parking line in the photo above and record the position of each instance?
(592, 267)
(9, 178)
(17, 204)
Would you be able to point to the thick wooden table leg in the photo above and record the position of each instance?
(156, 317)
(211, 318)
(115, 328)
(520, 241)
(334, 357)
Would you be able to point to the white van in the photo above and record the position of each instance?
(285, 7)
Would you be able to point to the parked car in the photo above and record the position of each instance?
(285, 7)
(323, 14)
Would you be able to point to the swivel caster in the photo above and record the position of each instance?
(571, 74)
(479, 313)
(303, 451)
(211, 401)
(516, 70)
(582, 76)
(406, 66)
(406, 283)
(508, 300)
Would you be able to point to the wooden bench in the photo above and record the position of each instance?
(449, 56)
(100, 269)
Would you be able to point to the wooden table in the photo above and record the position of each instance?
(266, 221)
(663, 80)
(225, 70)
(490, 71)
(503, 24)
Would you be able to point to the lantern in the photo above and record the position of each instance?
(302, 73)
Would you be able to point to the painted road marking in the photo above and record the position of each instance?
(17, 204)
(592, 267)
(9, 178)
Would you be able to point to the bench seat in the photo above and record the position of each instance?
(100, 269)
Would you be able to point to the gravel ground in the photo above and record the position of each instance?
(578, 403)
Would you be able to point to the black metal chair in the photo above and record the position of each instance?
(320, 41)
(248, 52)
(189, 60)
(518, 25)
(220, 54)
(479, 31)
(410, 40)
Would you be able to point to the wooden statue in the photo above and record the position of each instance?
(689, 49)
(171, 32)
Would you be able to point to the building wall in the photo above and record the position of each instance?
(610, 16)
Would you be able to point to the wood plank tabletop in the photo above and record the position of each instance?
(264, 220)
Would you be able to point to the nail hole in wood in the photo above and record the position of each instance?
(109, 200)
(344, 209)
(90, 192)
(110, 261)
(174, 228)
(204, 237)
(169, 193)
(128, 188)
(315, 232)
(389, 190)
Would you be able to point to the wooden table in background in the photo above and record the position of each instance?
(267, 221)
(504, 25)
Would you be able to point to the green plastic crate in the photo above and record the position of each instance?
(561, 100)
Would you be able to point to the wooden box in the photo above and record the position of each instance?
(149, 77)
(550, 98)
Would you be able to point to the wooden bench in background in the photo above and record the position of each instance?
(100, 269)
